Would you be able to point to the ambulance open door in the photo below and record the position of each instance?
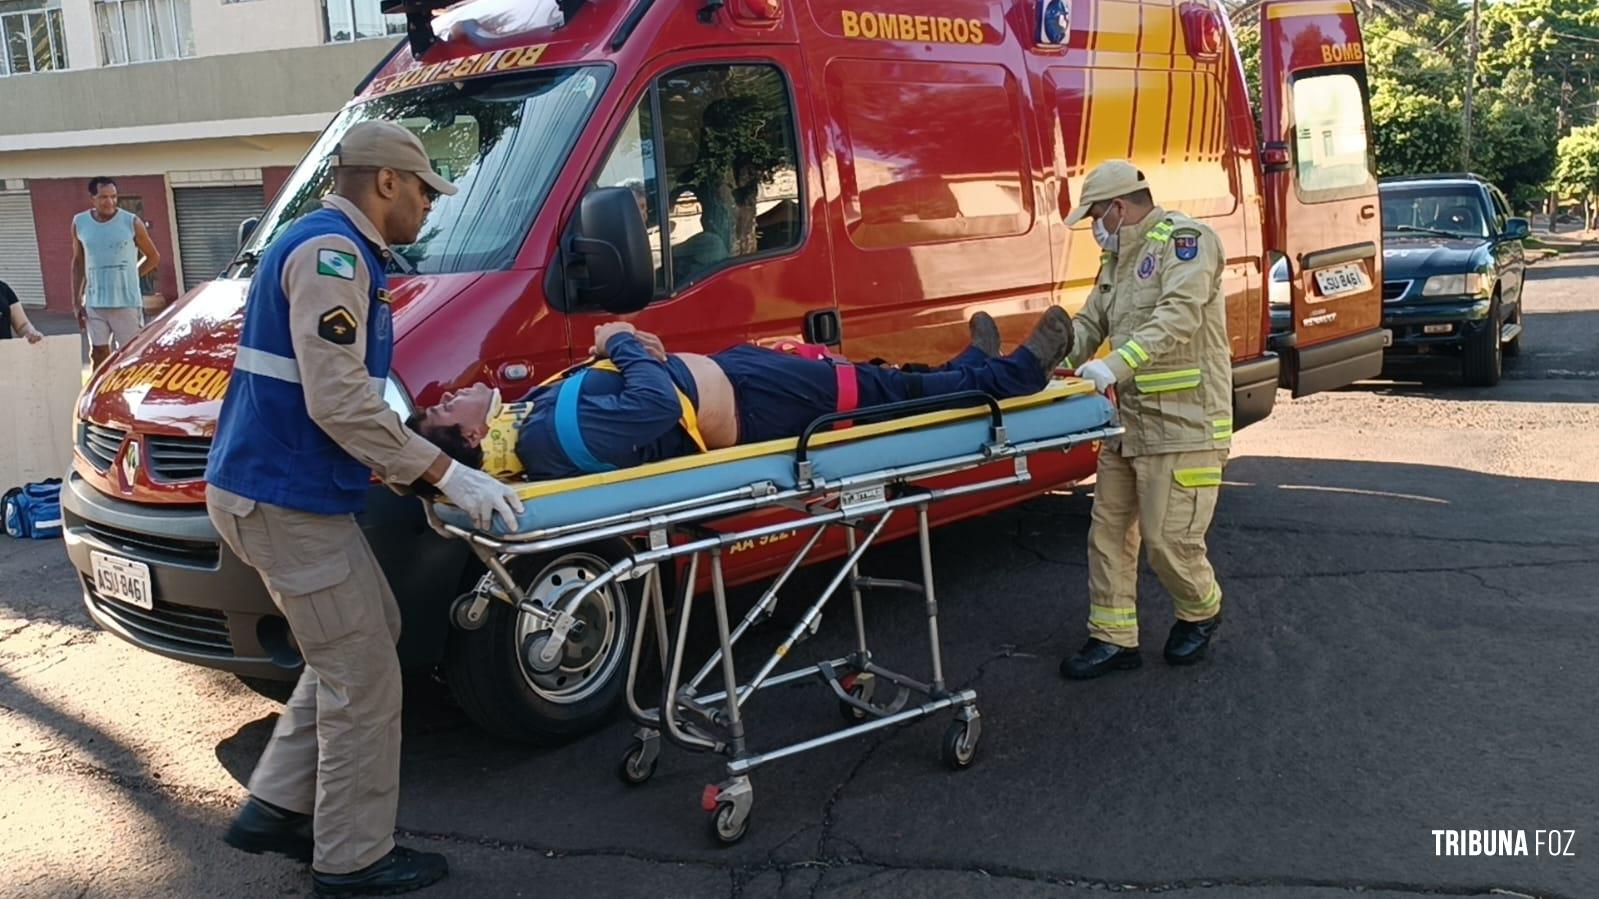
(1322, 211)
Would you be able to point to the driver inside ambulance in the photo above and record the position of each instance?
(639, 404)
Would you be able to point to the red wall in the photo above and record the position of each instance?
(56, 201)
(272, 178)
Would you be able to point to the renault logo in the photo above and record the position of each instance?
(130, 462)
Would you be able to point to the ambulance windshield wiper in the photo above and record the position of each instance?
(1414, 229)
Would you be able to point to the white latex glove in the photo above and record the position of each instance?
(480, 496)
(1098, 372)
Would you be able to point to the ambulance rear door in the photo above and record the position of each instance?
(1321, 190)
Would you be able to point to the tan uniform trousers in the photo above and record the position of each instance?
(1164, 501)
(336, 748)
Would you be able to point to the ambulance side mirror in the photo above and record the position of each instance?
(608, 256)
(247, 228)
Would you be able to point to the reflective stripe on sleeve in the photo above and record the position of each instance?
(1162, 382)
(1221, 429)
(267, 365)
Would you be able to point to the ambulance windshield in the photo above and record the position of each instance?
(500, 140)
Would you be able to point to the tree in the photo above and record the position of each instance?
(1514, 137)
(1414, 133)
(1578, 169)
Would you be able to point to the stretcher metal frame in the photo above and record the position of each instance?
(861, 505)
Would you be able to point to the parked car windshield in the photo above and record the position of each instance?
(1450, 210)
(500, 140)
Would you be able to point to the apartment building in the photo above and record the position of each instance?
(198, 109)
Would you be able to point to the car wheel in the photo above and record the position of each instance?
(1484, 359)
(1513, 348)
(488, 671)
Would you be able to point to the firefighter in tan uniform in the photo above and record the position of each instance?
(1158, 302)
(303, 426)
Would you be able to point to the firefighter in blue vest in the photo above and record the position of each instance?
(303, 426)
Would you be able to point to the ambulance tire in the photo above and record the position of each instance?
(1483, 360)
(488, 673)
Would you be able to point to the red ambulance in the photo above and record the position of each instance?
(866, 173)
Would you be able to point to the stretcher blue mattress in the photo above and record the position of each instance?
(1064, 408)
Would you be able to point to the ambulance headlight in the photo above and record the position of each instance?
(398, 398)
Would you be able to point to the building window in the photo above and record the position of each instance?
(143, 30)
(32, 38)
(355, 20)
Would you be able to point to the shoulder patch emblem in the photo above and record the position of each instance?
(1186, 242)
(1146, 267)
(335, 264)
(337, 326)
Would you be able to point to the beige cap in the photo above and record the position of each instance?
(385, 145)
(1107, 181)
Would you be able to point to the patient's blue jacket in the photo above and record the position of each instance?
(588, 422)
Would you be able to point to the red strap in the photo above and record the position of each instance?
(849, 391)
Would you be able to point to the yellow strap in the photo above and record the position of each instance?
(1221, 428)
(1198, 477)
(689, 421)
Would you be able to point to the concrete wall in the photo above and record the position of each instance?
(56, 201)
(269, 84)
(248, 27)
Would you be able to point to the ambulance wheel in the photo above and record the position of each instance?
(960, 745)
(488, 668)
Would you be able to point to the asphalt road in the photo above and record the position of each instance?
(1410, 572)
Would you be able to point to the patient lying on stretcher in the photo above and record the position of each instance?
(641, 404)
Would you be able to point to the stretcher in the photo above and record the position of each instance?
(854, 479)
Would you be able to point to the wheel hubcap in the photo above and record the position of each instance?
(588, 657)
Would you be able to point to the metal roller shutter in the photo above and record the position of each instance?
(19, 248)
(208, 227)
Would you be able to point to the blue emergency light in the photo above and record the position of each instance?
(1054, 22)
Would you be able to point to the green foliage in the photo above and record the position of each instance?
(1415, 133)
(1578, 169)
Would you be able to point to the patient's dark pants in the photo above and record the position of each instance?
(778, 393)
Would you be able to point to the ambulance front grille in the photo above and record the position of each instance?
(100, 444)
(177, 458)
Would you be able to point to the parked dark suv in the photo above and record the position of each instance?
(1453, 267)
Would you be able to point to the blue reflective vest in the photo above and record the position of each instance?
(267, 448)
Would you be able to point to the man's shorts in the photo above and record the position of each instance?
(121, 323)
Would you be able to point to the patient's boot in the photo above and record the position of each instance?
(1051, 340)
(985, 334)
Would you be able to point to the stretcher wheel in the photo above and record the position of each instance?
(727, 825)
(960, 745)
(634, 769)
(860, 686)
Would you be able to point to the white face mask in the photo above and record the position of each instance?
(1107, 241)
(1104, 235)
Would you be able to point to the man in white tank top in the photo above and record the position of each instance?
(111, 250)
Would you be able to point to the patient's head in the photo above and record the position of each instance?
(457, 423)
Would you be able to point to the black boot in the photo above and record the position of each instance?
(985, 333)
(1189, 640)
(1098, 657)
(1051, 340)
(401, 871)
(263, 827)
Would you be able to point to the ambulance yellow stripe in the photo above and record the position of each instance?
(1182, 109)
(1150, 130)
(1112, 90)
(1118, 27)
(1325, 8)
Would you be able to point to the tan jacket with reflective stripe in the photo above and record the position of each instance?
(1159, 303)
